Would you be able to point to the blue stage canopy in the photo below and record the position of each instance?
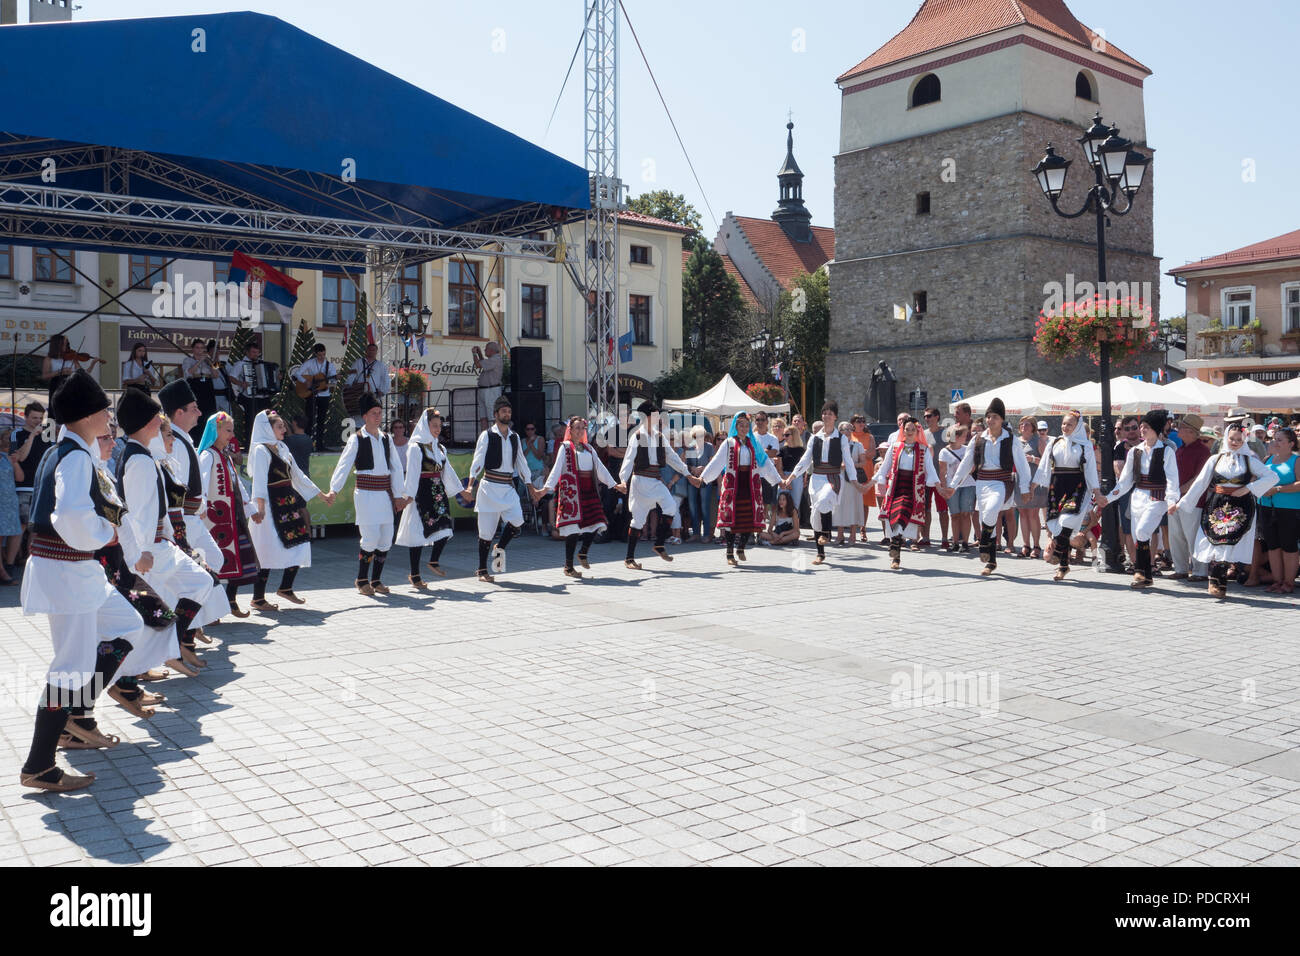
(245, 110)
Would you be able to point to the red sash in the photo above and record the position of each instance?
(728, 520)
(906, 504)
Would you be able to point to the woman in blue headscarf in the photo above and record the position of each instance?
(227, 514)
(743, 464)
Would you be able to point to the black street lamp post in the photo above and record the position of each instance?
(770, 350)
(1117, 168)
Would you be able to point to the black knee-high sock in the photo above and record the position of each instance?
(435, 552)
(632, 535)
(288, 577)
(51, 717)
(1063, 548)
(186, 611)
(259, 586)
(662, 529)
(108, 658)
(896, 548)
(414, 554)
(570, 546)
(507, 535)
(824, 524)
(742, 539)
(377, 567)
(587, 538)
(989, 543)
(483, 548)
(363, 564)
(1219, 573)
(232, 588)
(1143, 562)
(730, 538)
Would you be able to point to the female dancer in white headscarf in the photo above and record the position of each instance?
(906, 471)
(578, 474)
(430, 479)
(1069, 472)
(281, 529)
(1234, 478)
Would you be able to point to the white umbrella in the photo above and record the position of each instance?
(1127, 396)
(724, 399)
(1280, 397)
(1206, 399)
(1025, 397)
(1243, 387)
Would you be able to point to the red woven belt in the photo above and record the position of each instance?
(431, 474)
(994, 475)
(158, 532)
(193, 505)
(56, 549)
(373, 482)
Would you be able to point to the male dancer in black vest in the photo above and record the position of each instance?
(829, 456)
(378, 495)
(648, 451)
(998, 465)
(180, 405)
(498, 458)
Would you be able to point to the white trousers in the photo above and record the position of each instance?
(644, 495)
(822, 495)
(376, 537)
(1183, 525)
(488, 520)
(76, 639)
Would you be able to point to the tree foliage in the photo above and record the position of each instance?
(803, 317)
(286, 403)
(665, 204)
(353, 350)
(713, 313)
(236, 353)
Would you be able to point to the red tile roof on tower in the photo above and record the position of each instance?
(784, 257)
(941, 23)
(746, 293)
(638, 219)
(1286, 246)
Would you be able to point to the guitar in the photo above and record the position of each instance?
(313, 385)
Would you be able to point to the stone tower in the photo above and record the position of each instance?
(936, 208)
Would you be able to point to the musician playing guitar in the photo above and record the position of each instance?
(314, 380)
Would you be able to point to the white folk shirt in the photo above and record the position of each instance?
(373, 507)
(655, 443)
(140, 480)
(586, 462)
(200, 537)
(1147, 512)
(197, 368)
(313, 367)
(1220, 470)
(991, 497)
(907, 462)
(495, 496)
(721, 461)
(1063, 453)
(64, 587)
(373, 376)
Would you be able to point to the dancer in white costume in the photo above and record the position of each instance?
(430, 479)
(830, 458)
(1069, 473)
(1151, 471)
(997, 463)
(498, 458)
(647, 451)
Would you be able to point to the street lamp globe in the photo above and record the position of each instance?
(759, 340)
(1114, 156)
(406, 307)
(425, 314)
(1092, 138)
(779, 344)
(1134, 170)
(1051, 170)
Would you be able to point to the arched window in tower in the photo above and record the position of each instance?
(926, 90)
(1084, 87)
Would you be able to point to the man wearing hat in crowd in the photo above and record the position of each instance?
(378, 494)
(92, 626)
(498, 458)
(1151, 471)
(180, 405)
(1191, 458)
(647, 451)
(145, 533)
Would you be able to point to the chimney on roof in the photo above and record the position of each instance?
(791, 214)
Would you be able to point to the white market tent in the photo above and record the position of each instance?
(1244, 387)
(1280, 397)
(1206, 399)
(1127, 396)
(1025, 397)
(724, 399)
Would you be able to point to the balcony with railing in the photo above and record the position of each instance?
(1231, 342)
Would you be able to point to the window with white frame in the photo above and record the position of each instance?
(533, 311)
(638, 308)
(1238, 307)
(1290, 307)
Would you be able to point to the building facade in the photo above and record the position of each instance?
(1243, 312)
(472, 299)
(936, 208)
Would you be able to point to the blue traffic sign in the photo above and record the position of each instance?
(957, 394)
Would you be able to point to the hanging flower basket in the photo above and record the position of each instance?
(411, 382)
(766, 393)
(1079, 328)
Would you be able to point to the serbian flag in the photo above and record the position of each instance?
(277, 290)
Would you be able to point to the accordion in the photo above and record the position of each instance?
(263, 378)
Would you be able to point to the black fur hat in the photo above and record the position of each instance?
(134, 409)
(996, 407)
(77, 398)
(367, 402)
(500, 403)
(1156, 419)
(175, 395)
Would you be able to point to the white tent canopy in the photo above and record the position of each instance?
(1280, 397)
(724, 399)
(1206, 399)
(1127, 396)
(1025, 397)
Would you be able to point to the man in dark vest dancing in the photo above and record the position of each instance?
(498, 458)
(648, 451)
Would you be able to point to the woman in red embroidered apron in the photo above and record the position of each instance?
(578, 513)
(227, 514)
(906, 472)
(742, 464)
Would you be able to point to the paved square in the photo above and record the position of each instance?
(692, 713)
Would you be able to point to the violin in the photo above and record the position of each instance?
(72, 355)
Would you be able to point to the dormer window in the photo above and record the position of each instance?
(1084, 87)
(926, 90)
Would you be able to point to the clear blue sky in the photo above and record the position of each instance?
(1223, 91)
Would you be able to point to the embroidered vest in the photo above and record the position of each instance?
(836, 452)
(1154, 479)
(106, 503)
(492, 461)
(132, 450)
(194, 483)
(641, 460)
(1007, 462)
(365, 460)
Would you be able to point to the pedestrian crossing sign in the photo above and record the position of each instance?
(957, 394)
